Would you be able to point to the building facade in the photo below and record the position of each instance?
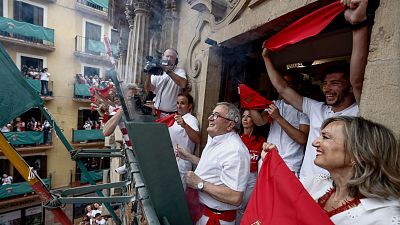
(67, 38)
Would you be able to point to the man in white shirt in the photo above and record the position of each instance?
(168, 85)
(341, 86)
(223, 169)
(289, 127)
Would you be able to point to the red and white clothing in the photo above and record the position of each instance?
(166, 91)
(225, 161)
(370, 211)
(181, 138)
(318, 112)
(254, 144)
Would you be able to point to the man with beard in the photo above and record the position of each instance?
(341, 85)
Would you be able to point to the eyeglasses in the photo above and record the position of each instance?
(215, 115)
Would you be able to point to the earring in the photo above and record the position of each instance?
(353, 163)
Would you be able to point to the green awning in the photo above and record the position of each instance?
(10, 190)
(26, 29)
(82, 90)
(25, 137)
(35, 84)
(96, 175)
(101, 3)
(87, 135)
(16, 95)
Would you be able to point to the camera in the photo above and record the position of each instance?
(153, 65)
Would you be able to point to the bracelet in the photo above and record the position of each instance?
(361, 24)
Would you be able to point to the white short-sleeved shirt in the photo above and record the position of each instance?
(371, 211)
(225, 161)
(317, 112)
(290, 151)
(180, 137)
(166, 90)
(44, 76)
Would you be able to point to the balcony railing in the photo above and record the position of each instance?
(36, 85)
(16, 189)
(26, 32)
(26, 137)
(81, 91)
(87, 135)
(94, 47)
(101, 5)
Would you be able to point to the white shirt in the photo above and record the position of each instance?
(371, 211)
(181, 138)
(7, 180)
(166, 90)
(290, 151)
(225, 161)
(44, 76)
(318, 112)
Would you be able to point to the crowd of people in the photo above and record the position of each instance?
(18, 125)
(38, 74)
(348, 164)
(93, 215)
(6, 179)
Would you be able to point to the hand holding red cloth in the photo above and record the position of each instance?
(168, 120)
(250, 99)
(279, 198)
(308, 26)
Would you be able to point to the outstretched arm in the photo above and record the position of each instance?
(290, 95)
(355, 14)
(110, 126)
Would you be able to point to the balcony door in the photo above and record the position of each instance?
(25, 12)
(35, 63)
(93, 44)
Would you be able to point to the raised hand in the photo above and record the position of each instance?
(356, 10)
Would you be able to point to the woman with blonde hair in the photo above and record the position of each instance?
(363, 185)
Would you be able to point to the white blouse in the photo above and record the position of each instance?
(371, 211)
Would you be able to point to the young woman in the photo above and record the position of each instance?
(254, 143)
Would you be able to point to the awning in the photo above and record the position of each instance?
(10, 190)
(87, 135)
(26, 29)
(25, 137)
(102, 3)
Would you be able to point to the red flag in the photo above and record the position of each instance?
(308, 26)
(169, 120)
(250, 99)
(279, 198)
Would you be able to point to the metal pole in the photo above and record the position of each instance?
(23, 168)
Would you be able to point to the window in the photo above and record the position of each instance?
(28, 13)
(114, 39)
(91, 71)
(93, 44)
(32, 62)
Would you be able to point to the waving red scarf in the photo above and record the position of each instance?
(250, 99)
(308, 26)
(169, 120)
(279, 198)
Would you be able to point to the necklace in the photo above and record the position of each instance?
(345, 206)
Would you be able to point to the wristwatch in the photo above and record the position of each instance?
(200, 186)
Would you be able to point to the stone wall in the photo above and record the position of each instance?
(381, 91)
